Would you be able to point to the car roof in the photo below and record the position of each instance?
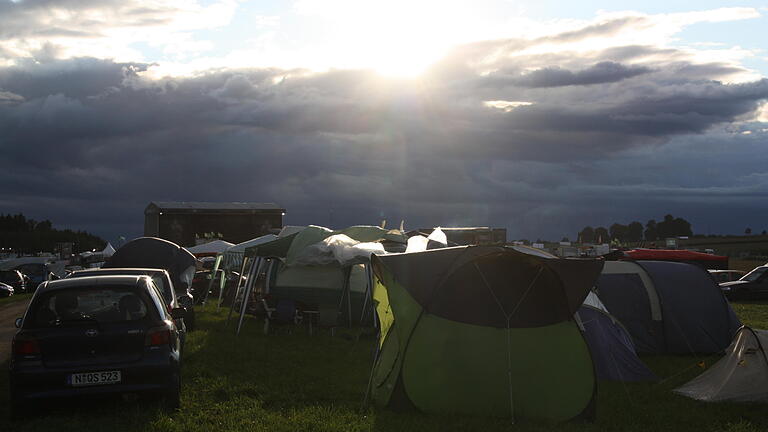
(120, 270)
(89, 281)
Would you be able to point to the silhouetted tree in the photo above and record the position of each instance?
(587, 235)
(748, 231)
(29, 236)
(618, 232)
(651, 231)
(635, 232)
(601, 235)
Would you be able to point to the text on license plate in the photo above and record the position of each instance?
(94, 378)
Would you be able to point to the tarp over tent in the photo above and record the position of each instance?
(483, 330)
(740, 376)
(668, 307)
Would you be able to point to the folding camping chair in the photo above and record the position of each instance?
(285, 312)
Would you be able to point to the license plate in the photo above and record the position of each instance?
(93, 378)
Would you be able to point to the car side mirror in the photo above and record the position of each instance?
(178, 313)
(18, 322)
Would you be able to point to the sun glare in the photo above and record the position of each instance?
(398, 37)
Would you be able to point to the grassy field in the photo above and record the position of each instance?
(744, 264)
(300, 383)
(14, 298)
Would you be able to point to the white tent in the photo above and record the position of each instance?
(740, 376)
(108, 251)
(216, 246)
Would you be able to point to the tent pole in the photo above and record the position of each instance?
(213, 278)
(368, 290)
(239, 279)
(237, 291)
(252, 276)
(349, 296)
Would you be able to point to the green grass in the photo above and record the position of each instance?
(300, 383)
(14, 298)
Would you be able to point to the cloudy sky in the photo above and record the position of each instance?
(534, 116)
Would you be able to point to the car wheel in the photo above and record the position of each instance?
(17, 410)
(189, 319)
(172, 398)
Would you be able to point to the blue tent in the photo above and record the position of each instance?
(613, 352)
(668, 307)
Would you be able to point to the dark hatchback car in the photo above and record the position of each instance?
(752, 286)
(162, 281)
(94, 336)
(15, 279)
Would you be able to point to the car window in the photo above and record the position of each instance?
(88, 304)
(755, 274)
(163, 288)
(157, 298)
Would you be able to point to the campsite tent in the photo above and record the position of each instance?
(610, 344)
(319, 268)
(153, 252)
(740, 376)
(313, 265)
(482, 330)
(668, 307)
(211, 248)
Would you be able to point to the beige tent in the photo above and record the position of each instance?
(740, 376)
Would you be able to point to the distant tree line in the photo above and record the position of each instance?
(30, 236)
(636, 232)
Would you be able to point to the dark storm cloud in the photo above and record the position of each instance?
(603, 72)
(93, 141)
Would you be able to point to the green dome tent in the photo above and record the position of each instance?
(483, 330)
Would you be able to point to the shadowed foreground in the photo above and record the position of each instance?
(294, 382)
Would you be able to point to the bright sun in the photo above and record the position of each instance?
(396, 37)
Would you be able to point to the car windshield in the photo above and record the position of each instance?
(754, 274)
(88, 304)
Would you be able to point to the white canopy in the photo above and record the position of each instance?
(216, 246)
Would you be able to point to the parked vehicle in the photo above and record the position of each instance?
(752, 286)
(151, 252)
(93, 336)
(721, 276)
(6, 290)
(163, 283)
(37, 273)
(15, 279)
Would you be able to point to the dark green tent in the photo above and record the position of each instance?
(483, 330)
